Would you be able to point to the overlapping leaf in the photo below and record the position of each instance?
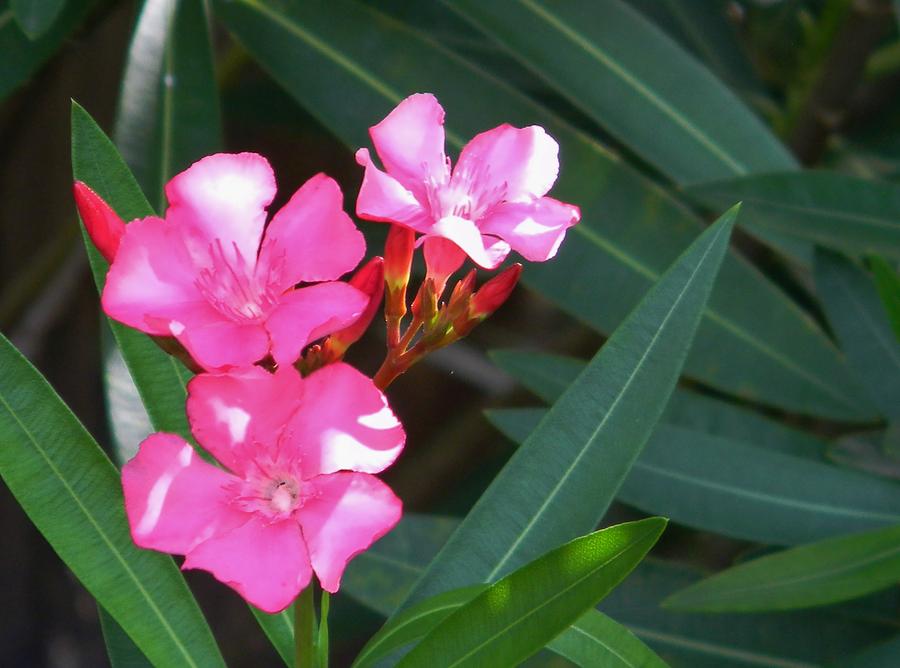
(348, 65)
(71, 491)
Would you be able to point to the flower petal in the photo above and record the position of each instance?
(218, 343)
(306, 314)
(343, 423)
(533, 229)
(152, 279)
(442, 258)
(522, 161)
(174, 500)
(267, 564)
(231, 412)
(348, 513)
(317, 238)
(223, 196)
(485, 251)
(384, 198)
(410, 142)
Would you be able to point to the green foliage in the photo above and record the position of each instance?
(816, 574)
(71, 492)
(36, 16)
(517, 615)
(759, 346)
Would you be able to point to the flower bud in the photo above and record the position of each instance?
(493, 293)
(103, 225)
(370, 280)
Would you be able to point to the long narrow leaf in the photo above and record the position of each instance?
(581, 452)
(516, 616)
(729, 486)
(71, 492)
(618, 68)
(817, 574)
(759, 346)
(888, 282)
(842, 212)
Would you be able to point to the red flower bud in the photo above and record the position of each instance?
(493, 293)
(103, 224)
(370, 280)
(398, 254)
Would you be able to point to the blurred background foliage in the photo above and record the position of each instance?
(785, 429)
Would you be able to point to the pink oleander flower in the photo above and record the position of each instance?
(296, 495)
(492, 201)
(217, 278)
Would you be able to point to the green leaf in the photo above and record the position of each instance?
(120, 649)
(692, 640)
(349, 64)
(820, 573)
(169, 107)
(843, 212)
(730, 487)
(21, 56)
(516, 616)
(279, 629)
(581, 452)
(71, 491)
(547, 376)
(882, 655)
(160, 378)
(862, 326)
(414, 623)
(888, 283)
(621, 70)
(800, 639)
(36, 16)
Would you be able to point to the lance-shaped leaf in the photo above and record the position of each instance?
(758, 345)
(516, 616)
(168, 113)
(729, 486)
(160, 378)
(862, 326)
(22, 56)
(120, 649)
(578, 457)
(630, 77)
(835, 210)
(820, 573)
(547, 376)
(684, 639)
(71, 491)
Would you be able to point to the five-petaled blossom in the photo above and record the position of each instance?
(491, 202)
(209, 275)
(296, 494)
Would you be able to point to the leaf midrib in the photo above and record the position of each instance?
(110, 545)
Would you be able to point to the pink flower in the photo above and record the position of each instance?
(211, 277)
(296, 494)
(493, 201)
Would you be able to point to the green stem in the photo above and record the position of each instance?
(305, 629)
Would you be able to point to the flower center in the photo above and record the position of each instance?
(239, 290)
(468, 193)
(274, 489)
(283, 495)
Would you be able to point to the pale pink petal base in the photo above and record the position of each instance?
(442, 259)
(309, 313)
(174, 500)
(349, 512)
(536, 229)
(267, 564)
(318, 240)
(343, 423)
(229, 413)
